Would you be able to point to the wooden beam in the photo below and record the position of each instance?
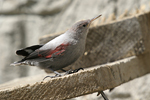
(84, 82)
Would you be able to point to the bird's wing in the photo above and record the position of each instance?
(27, 51)
(48, 53)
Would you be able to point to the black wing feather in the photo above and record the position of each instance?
(27, 51)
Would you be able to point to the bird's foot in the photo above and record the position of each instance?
(76, 70)
(57, 75)
(49, 77)
(73, 71)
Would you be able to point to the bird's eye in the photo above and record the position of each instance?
(84, 25)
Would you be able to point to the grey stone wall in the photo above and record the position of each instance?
(23, 22)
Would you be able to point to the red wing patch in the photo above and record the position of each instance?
(57, 51)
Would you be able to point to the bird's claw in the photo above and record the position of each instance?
(57, 75)
(73, 71)
(76, 70)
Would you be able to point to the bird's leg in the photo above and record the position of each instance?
(57, 74)
(66, 72)
(103, 95)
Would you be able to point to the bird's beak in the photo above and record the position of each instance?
(94, 19)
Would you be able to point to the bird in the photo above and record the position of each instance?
(60, 52)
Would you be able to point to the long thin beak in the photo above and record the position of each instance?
(95, 18)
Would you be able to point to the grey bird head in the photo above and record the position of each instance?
(81, 28)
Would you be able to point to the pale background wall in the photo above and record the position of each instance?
(23, 22)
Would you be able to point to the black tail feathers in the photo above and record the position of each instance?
(27, 51)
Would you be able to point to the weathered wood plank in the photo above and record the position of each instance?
(99, 78)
